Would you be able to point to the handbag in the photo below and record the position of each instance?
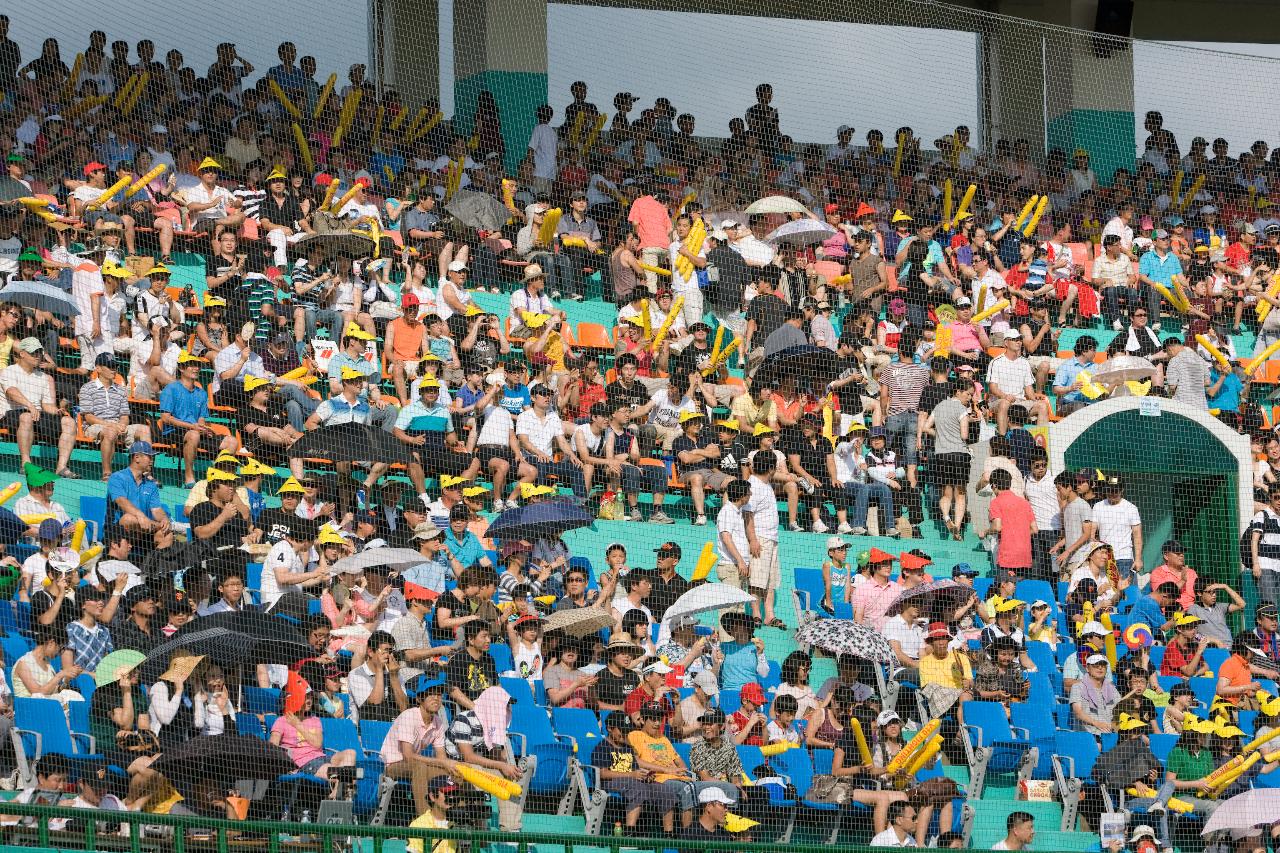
(937, 792)
(142, 742)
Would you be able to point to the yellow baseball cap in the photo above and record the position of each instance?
(291, 485)
(214, 301)
(253, 383)
(353, 330)
(208, 163)
(731, 424)
(253, 468)
(899, 216)
(159, 269)
(475, 491)
(473, 309)
(115, 270)
(186, 357)
(534, 321)
(448, 481)
(763, 429)
(215, 475)
(430, 357)
(351, 373)
(329, 536)
(277, 174)
(685, 417)
(1009, 604)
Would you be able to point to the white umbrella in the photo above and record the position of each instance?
(776, 204)
(1244, 811)
(800, 232)
(1124, 368)
(377, 557)
(39, 296)
(705, 598)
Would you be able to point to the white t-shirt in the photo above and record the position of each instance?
(729, 520)
(497, 427)
(763, 507)
(84, 285)
(889, 838)
(1115, 526)
(910, 636)
(680, 284)
(281, 556)
(848, 462)
(543, 144)
(1043, 497)
(541, 431)
(666, 413)
(199, 195)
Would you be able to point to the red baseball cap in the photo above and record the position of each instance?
(753, 693)
(415, 592)
(408, 299)
(831, 208)
(911, 561)
(93, 166)
(878, 556)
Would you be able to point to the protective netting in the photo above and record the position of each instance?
(539, 466)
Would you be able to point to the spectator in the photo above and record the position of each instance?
(478, 737)
(30, 406)
(414, 731)
(376, 686)
(473, 671)
(1120, 525)
(1020, 831)
(621, 773)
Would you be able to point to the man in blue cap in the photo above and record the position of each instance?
(133, 498)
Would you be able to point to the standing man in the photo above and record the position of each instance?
(762, 539)
(1120, 526)
(902, 382)
(1014, 520)
(697, 258)
(542, 149)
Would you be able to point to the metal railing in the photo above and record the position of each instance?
(278, 837)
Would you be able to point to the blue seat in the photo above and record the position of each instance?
(78, 712)
(501, 654)
(42, 729)
(1040, 726)
(261, 700)
(1042, 656)
(253, 582)
(808, 593)
(1074, 754)
(1157, 657)
(774, 678)
(520, 691)
(1247, 721)
(582, 725)
(991, 744)
(1029, 591)
(531, 730)
(249, 725)
(684, 750)
(1214, 658)
(340, 734)
(93, 510)
(1205, 689)
(797, 766)
(1064, 651)
(372, 735)
(1162, 745)
(730, 701)
(1041, 693)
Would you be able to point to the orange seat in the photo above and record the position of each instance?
(249, 231)
(510, 337)
(594, 336)
(1080, 253)
(1270, 373)
(830, 270)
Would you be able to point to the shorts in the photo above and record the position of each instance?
(204, 226)
(94, 432)
(711, 478)
(312, 767)
(951, 469)
(47, 427)
(488, 452)
(1053, 361)
(766, 571)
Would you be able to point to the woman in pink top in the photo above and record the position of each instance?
(302, 736)
(346, 604)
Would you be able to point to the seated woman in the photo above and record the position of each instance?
(567, 686)
(888, 744)
(119, 724)
(849, 769)
(299, 732)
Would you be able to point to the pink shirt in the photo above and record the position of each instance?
(410, 728)
(1016, 517)
(1164, 574)
(652, 222)
(299, 750)
(964, 337)
(875, 600)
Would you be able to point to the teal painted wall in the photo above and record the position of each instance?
(518, 94)
(1108, 136)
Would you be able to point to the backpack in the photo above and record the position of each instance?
(1269, 525)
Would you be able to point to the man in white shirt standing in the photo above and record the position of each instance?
(732, 546)
(1042, 494)
(762, 539)
(542, 148)
(1120, 526)
(1119, 225)
(697, 258)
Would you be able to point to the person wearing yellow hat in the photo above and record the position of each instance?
(226, 461)
(427, 428)
(223, 521)
(239, 360)
(350, 406)
(265, 428)
(184, 412)
(277, 523)
(698, 462)
(211, 208)
(279, 215)
(382, 410)
(155, 303)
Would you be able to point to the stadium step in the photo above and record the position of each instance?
(989, 821)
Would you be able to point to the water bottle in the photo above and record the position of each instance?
(361, 499)
(285, 818)
(617, 829)
(306, 819)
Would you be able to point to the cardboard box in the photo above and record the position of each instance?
(1036, 790)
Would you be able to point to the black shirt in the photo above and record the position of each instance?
(850, 396)
(469, 675)
(664, 593)
(616, 759)
(636, 395)
(769, 312)
(697, 832)
(813, 456)
(933, 394)
(276, 524)
(125, 633)
(230, 536)
(613, 689)
(693, 358)
(287, 213)
(42, 602)
(732, 458)
(683, 443)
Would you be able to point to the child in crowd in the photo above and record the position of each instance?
(782, 728)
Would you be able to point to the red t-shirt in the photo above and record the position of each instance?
(1016, 517)
(738, 721)
(1237, 255)
(1175, 660)
(640, 697)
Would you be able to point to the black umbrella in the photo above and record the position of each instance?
(542, 520)
(264, 628)
(350, 443)
(229, 649)
(179, 557)
(809, 364)
(222, 757)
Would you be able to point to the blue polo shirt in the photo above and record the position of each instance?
(1066, 375)
(1228, 397)
(468, 550)
(145, 495)
(515, 400)
(187, 406)
(1160, 270)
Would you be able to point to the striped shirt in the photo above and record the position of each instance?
(250, 199)
(108, 402)
(336, 410)
(303, 274)
(905, 382)
(465, 728)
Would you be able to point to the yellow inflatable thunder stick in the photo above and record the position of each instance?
(90, 555)
(692, 244)
(304, 149)
(1025, 212)
(123, 94)
(348, 195)
(138, 185)
(946, 203)
(1256, 742)
(1175, 805)
(1172, 297)
(1215, 778)
(1273, 290)
(1109, 640)
(77, 535)
(378, 118)
(666, 323)
(925, 756)
(707, 559)
(914, 746)
(1213, 351)
(509, 195)
(644, 318)
(1181, 293)
(1257, 361)
(776, 748)
(290, 107)
(108, 193)
(864, 751)
(1191, 193)
(1177, 188)
(1223, 782)
(324, 96)
(132, 100)
(487, 782)
(418, 118)
(349, 105)
(721, 358)
(655, 270)
(992, 311)
(593, 134)
(897, 157)
(84, 105)
(828, 420)
(453, 180)
(33, 518)
(550, 222)
(7, 493)
(575, 133)
(965, 201)
(580, 242)
(717, 343)
(1041, 206)
(688, 199)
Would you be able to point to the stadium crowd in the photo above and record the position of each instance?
(842, 346)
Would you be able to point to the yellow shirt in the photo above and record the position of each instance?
(748, 413)
(655, 750)
(951, 671)
(441, 845)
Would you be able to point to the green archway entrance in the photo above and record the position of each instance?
(1183, 478)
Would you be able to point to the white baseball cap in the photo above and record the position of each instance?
(714, 795)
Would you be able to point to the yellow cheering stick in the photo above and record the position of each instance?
(1041, 207)
(1264, 307)
(942, 340)
(897, 156)
(550, 221)
(1089, 388)
(572, 240)
(425, 128)
(593, 134)
(1213, 351)
(655, 270)
(125, 90)
(33, 518)
(90, 555)
(290, 107)
(389, 172)
(108, 193)
(1174, 804)
(1191, 193)
(864, 752)
(965, 201)
(946, 204)
(453, 180)
(1259, 741)
(914, 746)
(828, 420)
(1109, 640)
(328, 194)
(644, 317)
(1177, 188)
(77, 535)
(1224, 782)
(776, 748)
(1168, 294)
(486, 782)
(717, 343)
(324, 95)
(925, 757)
(509, 195)
(717, 362)
(706, 559)
(132, 100)
(688, 198)
(346, 197)
(7, 493)
(1214, 778)
(474, 142)
(1258, 360)
(666, 323)
(1181, 293)
(349, 105)
(991, 312)
(575, 133)
(295, 374)
(692, 244)
(141, 183)
(1025, 212)
(69, 88)
(84, 105)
